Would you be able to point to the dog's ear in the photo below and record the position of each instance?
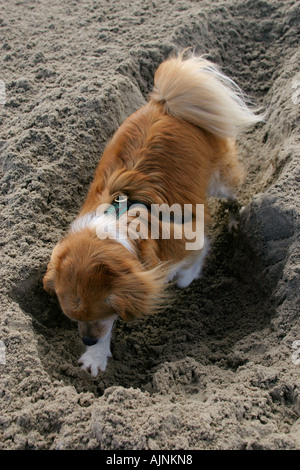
(104, 274)
(58, 253)
(140, 293)
(123, 308)
(124, 311)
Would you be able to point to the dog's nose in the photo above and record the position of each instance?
(89, 341)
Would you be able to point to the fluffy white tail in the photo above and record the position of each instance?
(194, 89)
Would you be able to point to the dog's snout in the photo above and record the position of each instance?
(89, 341)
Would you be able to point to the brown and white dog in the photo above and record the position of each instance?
(177, 149)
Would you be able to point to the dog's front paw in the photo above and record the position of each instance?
(95, 359)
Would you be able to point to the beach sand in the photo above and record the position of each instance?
(219, 368)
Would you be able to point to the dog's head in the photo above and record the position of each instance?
(95, 279)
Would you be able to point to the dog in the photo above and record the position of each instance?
(179, 148)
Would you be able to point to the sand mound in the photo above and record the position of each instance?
(218, 370)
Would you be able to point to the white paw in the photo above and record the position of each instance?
(95, 359)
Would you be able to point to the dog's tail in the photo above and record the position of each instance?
(194, 89)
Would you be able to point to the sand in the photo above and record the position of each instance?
(218, 369)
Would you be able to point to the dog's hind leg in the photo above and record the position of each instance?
(192, 270)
